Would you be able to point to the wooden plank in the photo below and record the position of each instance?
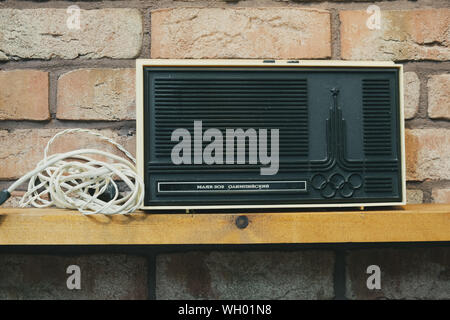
(410, 223)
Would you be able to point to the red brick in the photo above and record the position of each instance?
(439, 96)
(403, 35)
(406, 273)
(102, 276)
(97, 94)
(414, 196)
(412, 94)
(13, 201)
(24, 95)
(245, 275)
(280, 33)
(441, 195)
(427, 154)
(22, 149)
(44, 34)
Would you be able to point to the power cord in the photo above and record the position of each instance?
(73, 180)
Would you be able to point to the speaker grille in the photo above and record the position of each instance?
(377, 117)
(378, 185)
(233, 103)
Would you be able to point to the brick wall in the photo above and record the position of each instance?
(53, 77)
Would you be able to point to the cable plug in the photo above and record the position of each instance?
(4, 195)
(107, 195)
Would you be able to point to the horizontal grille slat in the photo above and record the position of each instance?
(222, 92)
(287, 132)
(226, 122)
(229, 82)
(226, 125)
(228, 99)
(233, 103)
(194, 90)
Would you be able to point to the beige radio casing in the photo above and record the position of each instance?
(141, 63)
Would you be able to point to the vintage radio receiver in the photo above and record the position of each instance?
(215, 134)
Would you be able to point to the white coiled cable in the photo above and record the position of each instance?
(73, 180)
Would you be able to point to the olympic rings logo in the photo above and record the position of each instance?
(336, 183)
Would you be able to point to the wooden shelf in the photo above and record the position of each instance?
(412, 223)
